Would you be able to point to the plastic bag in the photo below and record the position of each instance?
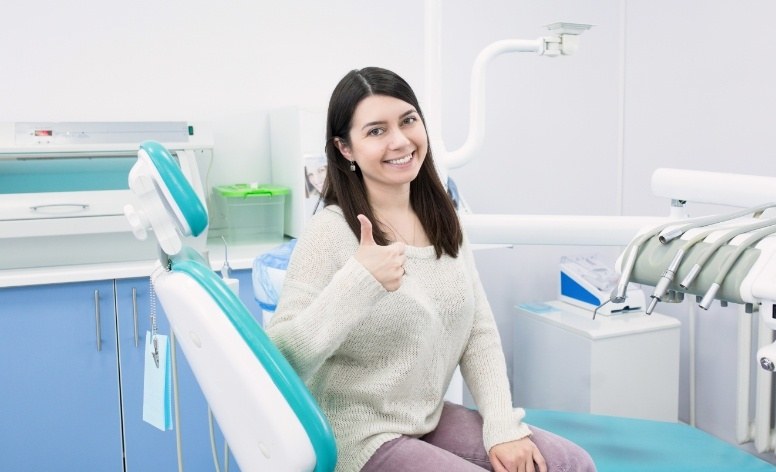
(268, 274)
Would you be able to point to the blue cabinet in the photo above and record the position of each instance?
(59, 378)
(69, 404)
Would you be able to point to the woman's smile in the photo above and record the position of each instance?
(401, 161)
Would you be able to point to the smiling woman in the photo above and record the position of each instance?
(379, 158)
(388, 143)
(382, 302)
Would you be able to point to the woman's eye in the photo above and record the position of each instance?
(375, 132)
(410, 119)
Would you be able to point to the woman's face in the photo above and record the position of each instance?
(388, 142)
(317, 176)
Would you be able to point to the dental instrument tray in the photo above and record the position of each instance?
(63, 187)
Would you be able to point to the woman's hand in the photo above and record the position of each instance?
(385, 263)
(517, 456)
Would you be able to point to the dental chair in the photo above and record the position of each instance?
(268, 417)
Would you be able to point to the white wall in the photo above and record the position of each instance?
(223, 62)
(655, 84)
(660, 83)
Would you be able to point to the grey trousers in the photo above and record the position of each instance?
(456, 446)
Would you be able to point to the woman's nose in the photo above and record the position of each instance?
(399, 139)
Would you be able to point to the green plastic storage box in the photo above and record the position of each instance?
(253, 213)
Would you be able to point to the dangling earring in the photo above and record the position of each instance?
(352, 166)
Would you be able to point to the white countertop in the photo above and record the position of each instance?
(241, 256)
(581, 322)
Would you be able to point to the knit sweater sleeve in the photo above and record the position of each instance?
(484, 369)
(325, 294)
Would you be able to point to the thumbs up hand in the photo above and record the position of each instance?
(385, 263)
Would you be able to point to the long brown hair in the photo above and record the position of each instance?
(346, 188)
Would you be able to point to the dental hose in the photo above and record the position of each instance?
(667, 236)
(632, 251)
(618, 295)
(629, 261)
(668, 276)
(732, 258)
(696, 268)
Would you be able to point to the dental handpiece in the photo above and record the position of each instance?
(620, 291)
(726, 238)
(668, 275)
(618, 294)
(752, 239)
(669, 234)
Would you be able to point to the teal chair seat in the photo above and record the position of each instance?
(633, 445)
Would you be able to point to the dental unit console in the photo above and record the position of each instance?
(728, 257)
(267, 416)
(63, 187)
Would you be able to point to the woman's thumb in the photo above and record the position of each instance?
(367, 239)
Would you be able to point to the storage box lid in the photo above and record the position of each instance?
(249, 190)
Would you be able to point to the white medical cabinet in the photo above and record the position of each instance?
(622, 365)
(63, 187)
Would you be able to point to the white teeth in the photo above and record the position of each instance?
(403, 160)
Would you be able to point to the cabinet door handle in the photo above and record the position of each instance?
(134, 312)
(97, 318)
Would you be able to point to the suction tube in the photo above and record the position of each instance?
(752, 239)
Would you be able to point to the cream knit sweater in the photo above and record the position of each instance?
(379, 362)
